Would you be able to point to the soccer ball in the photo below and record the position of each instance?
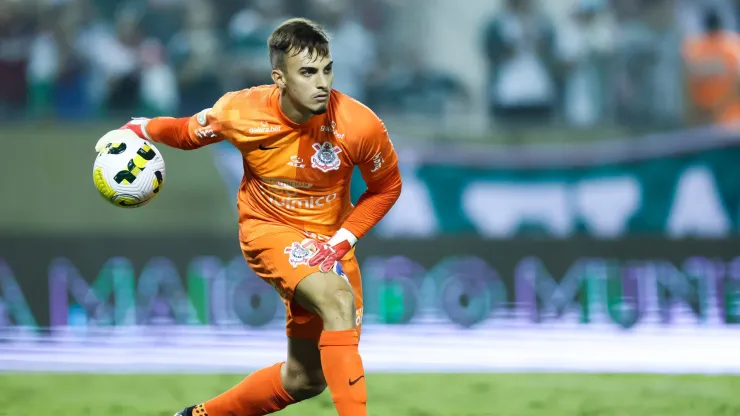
(129, 171)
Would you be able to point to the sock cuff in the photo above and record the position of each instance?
(339, 338)
(277, 384)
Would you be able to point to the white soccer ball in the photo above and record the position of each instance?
(129, 171)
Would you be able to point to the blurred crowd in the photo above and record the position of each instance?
(596, 61)
(631, 62)
(77, 59)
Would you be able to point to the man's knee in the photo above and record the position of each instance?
(328, 295)
(339, 304)
(304, 385)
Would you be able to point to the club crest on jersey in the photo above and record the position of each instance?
(326, 157)
(300, 253)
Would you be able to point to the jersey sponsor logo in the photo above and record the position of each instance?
(300, 253)
(321, 238)
(205, 132)
(333, 130)
(377, 162)
(286, 183)
(326, 157)
(300, 203)
(296, 162)
(264, 127)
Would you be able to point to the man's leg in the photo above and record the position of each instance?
(272, 257)
(273, 388)
(331, 297)
(301, 376)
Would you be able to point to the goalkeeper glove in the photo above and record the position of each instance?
(332, 251)
(136, 125)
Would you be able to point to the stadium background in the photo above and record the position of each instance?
(559, 212)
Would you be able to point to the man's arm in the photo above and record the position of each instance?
(187, 133)
(378, 164)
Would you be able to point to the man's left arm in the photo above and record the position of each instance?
(378, 163)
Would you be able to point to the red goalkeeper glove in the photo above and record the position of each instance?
(332, 251)
(136, 125)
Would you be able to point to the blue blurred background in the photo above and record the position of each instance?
(570, 170)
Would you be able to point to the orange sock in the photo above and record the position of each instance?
(343, 371)
(259, 394)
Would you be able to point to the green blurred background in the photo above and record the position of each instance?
(57, 158)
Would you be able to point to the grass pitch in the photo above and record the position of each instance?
(389, 395)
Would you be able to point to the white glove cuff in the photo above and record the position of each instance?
(142, 122)
(341, 235)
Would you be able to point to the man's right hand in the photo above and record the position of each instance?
(136, 125)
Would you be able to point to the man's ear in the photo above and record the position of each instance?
(278, 78)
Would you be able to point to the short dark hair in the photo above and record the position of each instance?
(712, 20)
(295, 35)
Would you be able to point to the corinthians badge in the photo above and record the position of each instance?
(325, 158)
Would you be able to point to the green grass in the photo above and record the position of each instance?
(389, 395)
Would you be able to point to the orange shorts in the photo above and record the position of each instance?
(279, 254)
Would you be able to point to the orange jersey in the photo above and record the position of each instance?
(713, 68)
(299, 174)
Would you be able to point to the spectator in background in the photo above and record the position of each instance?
(124, 86)
(159, 90)
(585, 46)
(649, 93)
(57, 73)
(161, 19)
(112, 54)
(17, 29)
(197, 56)
(712, 74)
(691, 14)
(519, 47)
(409, 86)
(248, 31)
(353, 47)
(44, 64)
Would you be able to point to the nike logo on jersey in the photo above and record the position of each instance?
(353, 382)
(262, 147)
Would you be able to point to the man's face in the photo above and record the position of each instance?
(308, 80)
